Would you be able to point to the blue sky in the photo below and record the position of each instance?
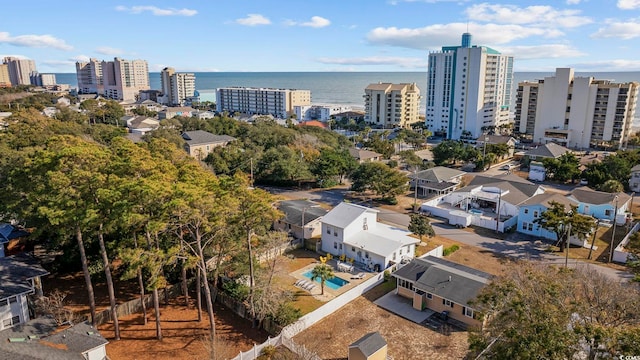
(320, 35)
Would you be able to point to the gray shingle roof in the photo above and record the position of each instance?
(546, 199)
(200, 137)
(362, 154)
(587, 195)
(437, 174)
(519, 189)
(369, 344)
(68, 344)
(293, 209)
(445, 279)
(15, 273)
(635, 168)
(495, 139)
(344, 214)
(550, 150)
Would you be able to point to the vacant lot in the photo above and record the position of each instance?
(331, 337)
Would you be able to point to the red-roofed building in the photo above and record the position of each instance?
(315, 123)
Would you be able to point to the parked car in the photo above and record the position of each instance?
(507, 167)
(584, 182)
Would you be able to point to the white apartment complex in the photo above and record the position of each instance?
(391, 105)
(468, 90)
(264, 101)
(318, 112)
(89, 74)
(575, 111)
(118, 79)
(19, 70)
(177, 88)
(43, 79)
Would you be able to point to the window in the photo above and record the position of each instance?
(530, 227)
(393, 257)
(400, 251)
(524, 226)
(328, 230)
(608, 212)
(13, 300)
(467, 312)
(366, 255)
(429, 296)
(448, 303)
(335, 232)
(526, 211)
(535, 214)
(340, 246)
(335, 245)
(405, 284)
(353, 249)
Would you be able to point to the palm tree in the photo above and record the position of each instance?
(322, 272)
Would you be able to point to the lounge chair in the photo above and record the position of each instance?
(310, 287)
(297, 283)
(360, 276)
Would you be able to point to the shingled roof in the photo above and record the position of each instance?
(369, 344)
(201, 137)
(293, 211)
(550, 150)
(587, 195)
(15, 273)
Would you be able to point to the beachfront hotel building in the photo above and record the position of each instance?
(118, 79)
(263, 101)
(391, 105)
(5, 80)
(19, 70)
(468, 90)
(575, 111)
(177, 88)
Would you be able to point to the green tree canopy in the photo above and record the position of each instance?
(557, 220)
(379, 178)
(420, 226)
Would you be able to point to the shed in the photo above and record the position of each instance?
(372, 346)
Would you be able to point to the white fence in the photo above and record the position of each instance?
(619, 254)
(437, 252)
(320, 313)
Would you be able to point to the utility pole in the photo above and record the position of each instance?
(251, 165)
(498, 211)
(613, 235)
(415, 189)
(594, 239)
(566, 259)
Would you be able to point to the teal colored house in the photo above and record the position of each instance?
(601, 205)
(531, 210)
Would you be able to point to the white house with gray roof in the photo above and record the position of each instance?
(480, 202)
(437, 180)
(19, 277)
(200, 143)
(43, 339)
(634, 180)
(354, 231)
(442, 286)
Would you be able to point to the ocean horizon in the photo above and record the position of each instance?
(336, 88)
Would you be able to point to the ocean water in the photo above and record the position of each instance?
(341, 88)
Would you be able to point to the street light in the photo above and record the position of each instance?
(613, 235)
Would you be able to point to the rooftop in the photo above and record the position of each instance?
(201, 137)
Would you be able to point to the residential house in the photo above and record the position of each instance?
(602, 205)
(20, 275)
(533, 159)
(442, 286)
(483, 199)
(634, 180)
(9, 233)
(302, 218)
(203, 115)
(50, 111)
(171, 112)
(497, 139)
(372, 346)
(142, 124)
(362, 155)
(43, 339)
(63, 101)
(532, 209)
(437, 180)
(200, 143)
(353, 231)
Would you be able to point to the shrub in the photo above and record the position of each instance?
(287, 314)
(392, 164)
(387, 275)
(450, 250)
(236, 290)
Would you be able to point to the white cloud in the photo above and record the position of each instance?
(253, 20)
(608, 65)
(316, 22)
(65, 63)
(624, 30)
(548, 51)
(628, 4)
(573, 2)
(157, 11)
(434, 36)
(404, 62)
(34, 41)
(534, 15)
(106, 50)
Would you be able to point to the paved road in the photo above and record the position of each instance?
(516, 246)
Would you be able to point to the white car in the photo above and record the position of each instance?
(507, 167)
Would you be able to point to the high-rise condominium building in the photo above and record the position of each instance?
(89, 74)
(5, 80)
(264, 101)
(391, 105)
(575, 111)
(20, 70)
(38, 79)
(468, 90)
(118, 79)
(177, 88)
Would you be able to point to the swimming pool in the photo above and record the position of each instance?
(334, 283)
(475, 212)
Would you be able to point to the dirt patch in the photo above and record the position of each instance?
(183, 335)
(331, 337)
(472, 256)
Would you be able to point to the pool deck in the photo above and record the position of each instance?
(329, 293)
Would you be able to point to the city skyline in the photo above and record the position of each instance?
(287, 35)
